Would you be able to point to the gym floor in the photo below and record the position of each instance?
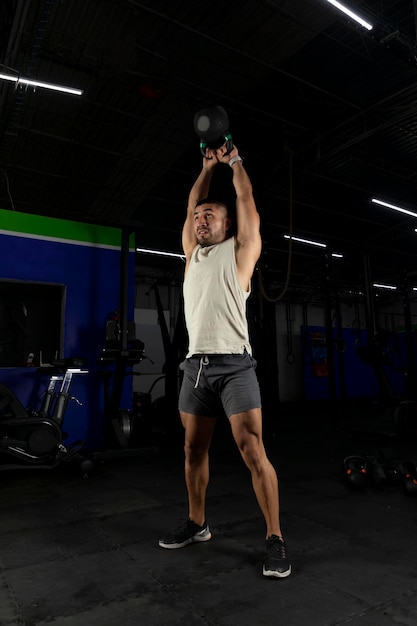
(78, 551)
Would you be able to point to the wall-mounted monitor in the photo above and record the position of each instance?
(32, 316)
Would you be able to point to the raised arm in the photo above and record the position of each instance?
(198, 191)
(248, 238)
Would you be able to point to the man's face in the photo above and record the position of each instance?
(210, 224)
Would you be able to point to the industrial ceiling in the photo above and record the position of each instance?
(323, 111)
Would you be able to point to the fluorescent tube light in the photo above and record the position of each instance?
(37, 83)
(161, 253)
(310, 242)
(12, 79)
(393, 206)
(382, 286)
(351, 14)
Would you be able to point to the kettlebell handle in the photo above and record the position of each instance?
(229, 145)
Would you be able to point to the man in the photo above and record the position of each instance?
(219, 370)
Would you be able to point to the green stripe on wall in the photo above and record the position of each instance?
(50, 227)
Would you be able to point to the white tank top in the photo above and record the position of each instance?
(214, 302)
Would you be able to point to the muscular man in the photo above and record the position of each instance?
(219, 370)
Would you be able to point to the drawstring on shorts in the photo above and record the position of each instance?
(203, 361)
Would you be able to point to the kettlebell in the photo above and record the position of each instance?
(410, 478)
(356, 468)
(212, 127)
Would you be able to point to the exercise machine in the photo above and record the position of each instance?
(121, 359)
(37, 438)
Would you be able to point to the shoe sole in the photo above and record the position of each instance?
(175, 546)
(270, 573)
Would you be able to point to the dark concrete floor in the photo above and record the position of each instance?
(84, 551)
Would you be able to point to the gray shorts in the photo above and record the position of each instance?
(215, 384)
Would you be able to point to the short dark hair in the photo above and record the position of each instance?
(212, 200)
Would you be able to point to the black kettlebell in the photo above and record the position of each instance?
(355, 468)
(212, 127)
(410, 478)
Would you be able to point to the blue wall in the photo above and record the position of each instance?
(91, 273)
(359, 376)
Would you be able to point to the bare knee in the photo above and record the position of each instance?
(194, 452)
(247, 433)
(198, 435)
(252, 452)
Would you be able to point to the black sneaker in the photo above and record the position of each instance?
(184, 535)
(276, 563)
